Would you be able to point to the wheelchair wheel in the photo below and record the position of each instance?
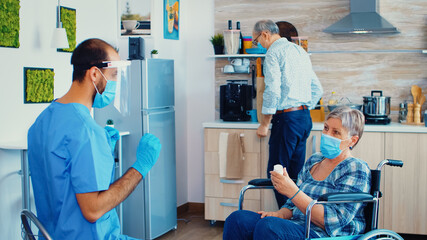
(382, 234)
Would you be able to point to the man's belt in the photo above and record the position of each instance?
(292, 109)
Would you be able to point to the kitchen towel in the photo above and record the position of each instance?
(231, 155)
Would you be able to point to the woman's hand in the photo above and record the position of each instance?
(283, 183)
(270, 214)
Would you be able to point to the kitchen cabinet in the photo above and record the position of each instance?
(406, 191)
(222, 195)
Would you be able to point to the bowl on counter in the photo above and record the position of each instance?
(350, 105)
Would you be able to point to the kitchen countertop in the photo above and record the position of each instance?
(392, 127)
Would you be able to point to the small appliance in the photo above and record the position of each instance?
(235, 100)
(376, 108)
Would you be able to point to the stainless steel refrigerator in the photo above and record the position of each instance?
(150, 211)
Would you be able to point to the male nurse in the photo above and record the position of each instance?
(72, 168)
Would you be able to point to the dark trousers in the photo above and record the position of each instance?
(287, 144)
(247, 225)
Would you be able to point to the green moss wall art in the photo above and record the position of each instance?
(9, 23)
(68, 19)
(38, 85)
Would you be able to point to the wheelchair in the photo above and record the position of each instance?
(28, 233)
(371, 209)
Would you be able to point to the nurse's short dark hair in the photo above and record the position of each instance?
(87, 54)
(352, 120)
(266, 25)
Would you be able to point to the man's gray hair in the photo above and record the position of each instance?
(266, 25)
(352, 120)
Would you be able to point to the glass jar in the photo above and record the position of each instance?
(403, 111)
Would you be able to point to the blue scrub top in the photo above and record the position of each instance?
(69, 153)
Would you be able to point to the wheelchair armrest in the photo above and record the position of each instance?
(260, 182)
(356, 196)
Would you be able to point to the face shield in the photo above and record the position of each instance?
(122, 96)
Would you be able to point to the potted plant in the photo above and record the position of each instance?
(218, 43)
(154, 53)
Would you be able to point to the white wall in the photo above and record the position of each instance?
(96, 18)
(194, 88)
(194, 81)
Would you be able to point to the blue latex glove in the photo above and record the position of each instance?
(147, 153)
(114, 137)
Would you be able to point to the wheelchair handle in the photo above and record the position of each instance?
(390, 162)
(395, 163)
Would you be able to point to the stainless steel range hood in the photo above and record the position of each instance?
(363, 18)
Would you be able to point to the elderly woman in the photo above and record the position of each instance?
(334, 169)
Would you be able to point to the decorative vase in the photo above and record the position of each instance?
(219, 50)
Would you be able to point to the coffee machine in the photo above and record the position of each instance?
(235, 100)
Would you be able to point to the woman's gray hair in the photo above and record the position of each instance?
(352, 120)
(266, 25)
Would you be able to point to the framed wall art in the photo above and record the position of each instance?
(68, 19)
(38, 85)
(171, 19)
(9, 23)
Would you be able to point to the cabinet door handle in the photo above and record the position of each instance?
(313, 146)
(229, 204)
(231, 181)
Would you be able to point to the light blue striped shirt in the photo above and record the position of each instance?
(289, 78)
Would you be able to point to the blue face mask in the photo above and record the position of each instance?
(102, 100)
(330, 146)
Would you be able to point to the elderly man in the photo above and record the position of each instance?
(291, 89)
(72, 168)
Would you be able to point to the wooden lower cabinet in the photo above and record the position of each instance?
(218, 209)
(406, 187)
(222, 195)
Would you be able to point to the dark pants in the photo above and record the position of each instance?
(247, 225)
(287, 142)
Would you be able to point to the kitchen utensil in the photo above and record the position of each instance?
(376, 106)
(228, 68)
(349, 104)
(419, 94)
(422, 99)
(414, 92)
(241, 68)
(236, 62)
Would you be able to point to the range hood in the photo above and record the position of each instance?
(363, 18)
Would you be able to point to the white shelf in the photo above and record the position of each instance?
(238, 56)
